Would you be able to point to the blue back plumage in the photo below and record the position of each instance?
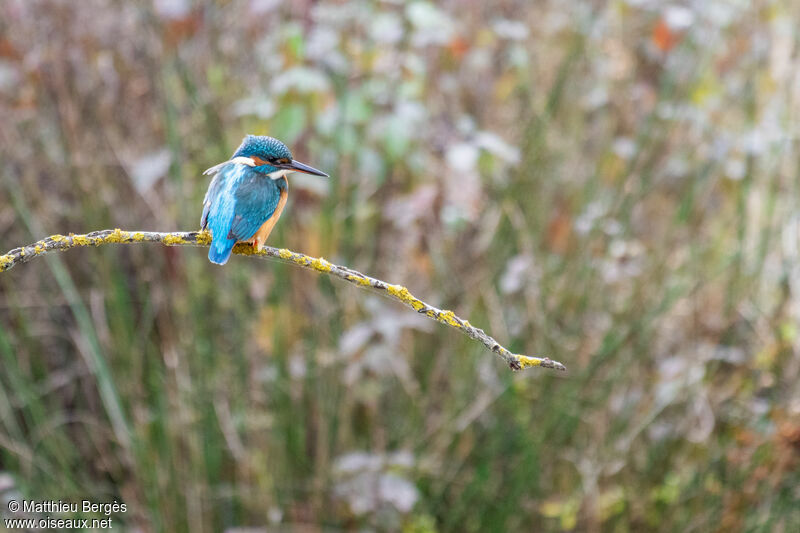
(239, 200)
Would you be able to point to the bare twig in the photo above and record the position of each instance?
(203, 238)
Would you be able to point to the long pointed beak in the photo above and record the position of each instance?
(297, 166)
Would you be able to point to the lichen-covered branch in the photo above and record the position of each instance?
(203, 238)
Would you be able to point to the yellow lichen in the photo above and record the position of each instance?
(171, 240)
(57, 238)
(39, 248)
(117, 236)
(320, 265)
(527, 362)
(204, 237)
(244, 249)
(401, 293)
(5, 260)
(284, 253)
(364, 281)
(81, 240)
(361, 280)
(449, 318)
(138, 236)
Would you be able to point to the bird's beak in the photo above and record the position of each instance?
(297, 166)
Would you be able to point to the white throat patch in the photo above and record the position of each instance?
(278, 174)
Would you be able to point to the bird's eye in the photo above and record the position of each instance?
(282, 161)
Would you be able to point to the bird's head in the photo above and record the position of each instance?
(271, 156)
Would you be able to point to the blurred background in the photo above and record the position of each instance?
(611, 184)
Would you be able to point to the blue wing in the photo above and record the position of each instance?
(239, 200)
(256, 200)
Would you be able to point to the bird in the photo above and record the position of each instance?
(247, 194)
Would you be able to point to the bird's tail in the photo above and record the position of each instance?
(220, 250)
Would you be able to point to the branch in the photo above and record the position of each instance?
(203, 238)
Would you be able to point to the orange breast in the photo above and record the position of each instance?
(266, 228)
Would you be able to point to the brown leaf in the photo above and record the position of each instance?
(559, 230)
(663, 37)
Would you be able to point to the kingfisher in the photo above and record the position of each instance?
(247, 195)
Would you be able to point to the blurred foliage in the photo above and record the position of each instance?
(613, 184)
